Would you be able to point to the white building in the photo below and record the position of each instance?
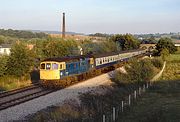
(5, 49)
(177, 45)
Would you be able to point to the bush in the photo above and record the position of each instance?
(157, 62)
(165, 43)
(121, 79)
(20, 61)
(137, 72)
(3, 65)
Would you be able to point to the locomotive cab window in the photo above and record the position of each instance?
(54, 66)
(43, 66)
(48, 66)
(61, 66)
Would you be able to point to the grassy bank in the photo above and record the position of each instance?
(172, 70)
(161, 103)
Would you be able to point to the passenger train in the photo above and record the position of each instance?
(62, 72)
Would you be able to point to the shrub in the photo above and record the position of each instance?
(157, 62)
(137, 72)
(20, 61)
(121, 79)
(3, 65)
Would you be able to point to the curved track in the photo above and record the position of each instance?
(18, 96)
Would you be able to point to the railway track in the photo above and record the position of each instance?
(15, 91)
(18, 96)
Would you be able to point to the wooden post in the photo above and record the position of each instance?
(129, 101)
(135, 95)
(139, 90)
(144, 88)
(122, 106)
(114, 114)
(147, 85)
(104, 118)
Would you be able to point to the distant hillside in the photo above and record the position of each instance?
(57, 32)
(22, 34)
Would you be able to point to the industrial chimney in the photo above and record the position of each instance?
(63, 26)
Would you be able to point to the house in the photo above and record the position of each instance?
(5, 49)
(177, 43)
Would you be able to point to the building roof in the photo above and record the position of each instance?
(177, 42)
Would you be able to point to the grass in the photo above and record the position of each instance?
(9, 83)
(172, 70)
(161, 103)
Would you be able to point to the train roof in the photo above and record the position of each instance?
(68, 58)
(73, 58)
(115, 53)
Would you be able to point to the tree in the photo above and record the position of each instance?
(126, 42)
(164, 54)
(87, 46)
(137, 72)
(22, 34)
(165, 43)
(110, 46)
(3, 65)
(100, 47)
(20, 60)
(1, 40)
(59, 48)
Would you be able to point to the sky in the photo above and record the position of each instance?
(92, 16)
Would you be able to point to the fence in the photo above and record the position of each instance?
(117, 111)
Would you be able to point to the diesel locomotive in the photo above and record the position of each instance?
(64, 71)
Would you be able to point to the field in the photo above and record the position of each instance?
(172, 70)
(162, 102)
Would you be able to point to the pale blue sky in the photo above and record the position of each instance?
(91, 16)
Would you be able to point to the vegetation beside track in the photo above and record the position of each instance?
(10, 83)
(162, 102)
(172, 70)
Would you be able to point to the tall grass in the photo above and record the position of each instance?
(10, 82)
(172, 70)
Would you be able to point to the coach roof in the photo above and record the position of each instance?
(68, 58)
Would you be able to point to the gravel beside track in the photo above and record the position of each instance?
(19, 112)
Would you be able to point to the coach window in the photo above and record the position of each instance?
(100, 61)
(43, 66)
(48, 66)
(54, 66)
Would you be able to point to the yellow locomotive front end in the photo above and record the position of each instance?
(50, 70)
